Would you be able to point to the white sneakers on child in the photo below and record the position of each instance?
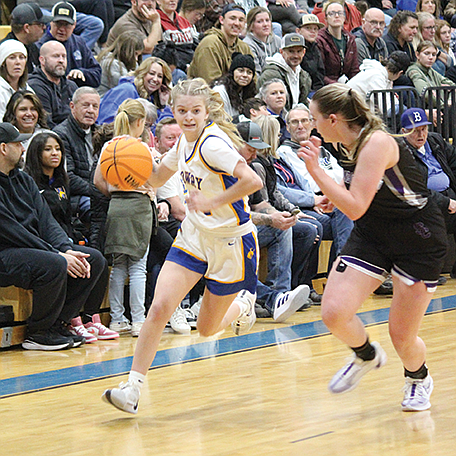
(120, 327)
(349, 376)
(286, 304)
(125, 398)
(417, 393)
(247, 318)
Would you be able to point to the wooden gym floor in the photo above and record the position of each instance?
(264, 393)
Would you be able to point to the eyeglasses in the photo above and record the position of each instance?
(431, 27)
(376, 23)
(296, 122)
(335, 13)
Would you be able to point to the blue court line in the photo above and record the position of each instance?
(219, 347)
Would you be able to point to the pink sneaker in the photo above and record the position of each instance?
(99, 330)
(78, 329)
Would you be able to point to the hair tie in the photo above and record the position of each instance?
(350, 92)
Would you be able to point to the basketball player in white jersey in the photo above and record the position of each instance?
(216, 239)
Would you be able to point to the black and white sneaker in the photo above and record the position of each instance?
(62, 329)
(286, 304)
(47, 340)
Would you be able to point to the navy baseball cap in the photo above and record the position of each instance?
(414, 117)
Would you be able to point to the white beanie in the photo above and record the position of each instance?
(9, 47)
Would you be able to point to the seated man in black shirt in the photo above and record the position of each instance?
(36, 254)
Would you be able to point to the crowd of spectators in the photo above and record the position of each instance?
(68, 68)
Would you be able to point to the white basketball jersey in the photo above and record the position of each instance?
(208, 165)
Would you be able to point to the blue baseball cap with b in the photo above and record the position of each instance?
(414, 117)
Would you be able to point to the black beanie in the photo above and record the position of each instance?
(242, 61)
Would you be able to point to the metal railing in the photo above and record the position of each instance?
(391, 103)
(438, 102)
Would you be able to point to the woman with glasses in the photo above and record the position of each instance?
(426, 32)
(337, 47)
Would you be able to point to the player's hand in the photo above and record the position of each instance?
(196, 201)
(452, 206)
(76, 74)
(283, 220)
(77, 265)
(310, 152)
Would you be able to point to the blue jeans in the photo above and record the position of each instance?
(306, 242)
(266, 297)
(88, 27)
(280, 255)
(123, 266)
(178, 75)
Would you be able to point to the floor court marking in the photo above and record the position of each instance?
(178, 355)
(312, 437)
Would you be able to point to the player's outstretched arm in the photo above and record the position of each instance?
(160, 174)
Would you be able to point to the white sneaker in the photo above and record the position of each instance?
(125, 398)
(120, 327)
(190, 317)
(417, 393)
(136, 328)
(286, 304)
(179, 322)
(196, 307)
(247, 318)
(349, 376)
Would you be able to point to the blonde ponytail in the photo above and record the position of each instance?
(129, 111)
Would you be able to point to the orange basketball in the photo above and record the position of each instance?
(126, 163)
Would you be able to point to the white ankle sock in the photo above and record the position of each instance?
(136, 378)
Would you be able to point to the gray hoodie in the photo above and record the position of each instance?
(262, 50)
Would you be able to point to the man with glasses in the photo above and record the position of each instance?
(369, 41)
(27, 26)
(298, 187)
(337, 47)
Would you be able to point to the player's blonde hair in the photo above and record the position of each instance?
(129, 111)
(198, 88)
(340, 99)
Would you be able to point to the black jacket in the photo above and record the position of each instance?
(55, 98)
(264, 167)
(313, 64)
(25, 217)
(77, 163)
(445, 154)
